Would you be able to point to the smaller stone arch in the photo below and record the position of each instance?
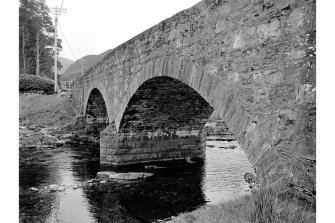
(96, 113)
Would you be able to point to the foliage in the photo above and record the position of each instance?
(33, 83)
(264, 205)
(36, 38)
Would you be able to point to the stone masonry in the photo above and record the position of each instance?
(253, 61)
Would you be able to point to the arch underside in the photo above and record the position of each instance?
(167, 105)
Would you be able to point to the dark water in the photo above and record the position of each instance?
(180, 187)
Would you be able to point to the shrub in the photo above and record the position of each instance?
(266, 205)
(35, 84)
(269, 208)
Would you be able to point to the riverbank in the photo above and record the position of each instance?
(45, 119)
(263, 205)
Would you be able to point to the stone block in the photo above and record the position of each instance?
(140, 150)
(223, 26)
(131, 144)
(245, 37)
(126, 158)
(269, 31)
(107, 152)
(296, 20)
(120, 151)
(146, 157)
(111, 145)
(164, 149)
(152, 143)
(197, 153)
(163, 143)
(187, 147)
(142, 144)
(169, 155)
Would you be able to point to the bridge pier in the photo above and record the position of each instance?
(129, 148)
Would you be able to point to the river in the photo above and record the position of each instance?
(177, 188)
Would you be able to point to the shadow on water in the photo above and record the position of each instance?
(178, 188)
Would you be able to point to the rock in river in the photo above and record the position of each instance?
(123, 176)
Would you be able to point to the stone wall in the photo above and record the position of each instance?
(252, 61)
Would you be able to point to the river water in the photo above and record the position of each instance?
(177, 188)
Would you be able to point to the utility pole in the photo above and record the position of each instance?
(57, 13)
(82, 69)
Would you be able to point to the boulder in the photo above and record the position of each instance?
(54, 187)
(250, 178)
(123, 176)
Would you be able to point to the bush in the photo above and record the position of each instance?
(269, 208)
(266, 205)
(35, 84)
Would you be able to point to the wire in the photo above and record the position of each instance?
(66, 41)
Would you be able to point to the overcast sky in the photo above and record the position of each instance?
(94, 26)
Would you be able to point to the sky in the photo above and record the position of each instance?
(93, 27)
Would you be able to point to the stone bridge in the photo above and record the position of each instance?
(250, 63)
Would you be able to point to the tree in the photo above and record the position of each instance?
(36, 38)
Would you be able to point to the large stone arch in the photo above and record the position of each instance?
(217, 91)
(190, 73)
(165, 104)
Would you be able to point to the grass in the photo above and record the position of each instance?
(48, 110)
(264, 205)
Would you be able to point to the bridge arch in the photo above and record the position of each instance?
(165, 104)
(218, 92)
(189, 73)
(96, 93)
(96, 106)
(96, 112)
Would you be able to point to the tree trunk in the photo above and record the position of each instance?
(24, 60)
(37, 54)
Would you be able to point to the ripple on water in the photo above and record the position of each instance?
(224, 172)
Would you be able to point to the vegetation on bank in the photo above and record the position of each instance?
(35, 84)
(264, 205)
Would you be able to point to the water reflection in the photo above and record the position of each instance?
(178, 188)
(170, 191)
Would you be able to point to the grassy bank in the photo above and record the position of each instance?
(265, 205)
(47, 110)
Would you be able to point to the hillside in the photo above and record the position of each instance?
(65, 63)
(74, 70)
